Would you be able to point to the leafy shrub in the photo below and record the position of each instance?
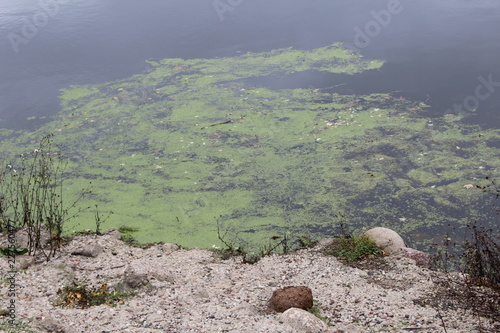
(355, 248)
(31, 196)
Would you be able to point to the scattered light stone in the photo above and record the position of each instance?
(379, 298)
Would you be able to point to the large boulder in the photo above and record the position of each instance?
(386, 239)
(291, 297)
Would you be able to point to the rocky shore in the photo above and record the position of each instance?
(178, 290)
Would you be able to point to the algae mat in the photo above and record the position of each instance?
(190, 141)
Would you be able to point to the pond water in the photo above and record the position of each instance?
(436, 56)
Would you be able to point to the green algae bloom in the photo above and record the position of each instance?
(190, 140)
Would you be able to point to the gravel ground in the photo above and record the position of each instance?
(195, 291)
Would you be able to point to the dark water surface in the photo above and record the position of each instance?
(435, 51)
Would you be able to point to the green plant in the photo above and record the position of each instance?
(127, 229)
(307, 242)
(230, 249)
(315, 310)
(99, 220)
(6, 251)
(17, 327)
(80, 295)
(127, 237)
(355, 248)
(274, 243)
(31, 197)
(341, 224)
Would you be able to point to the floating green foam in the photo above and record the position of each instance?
(187, 142)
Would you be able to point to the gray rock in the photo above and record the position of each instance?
(386, 239)
(303, 321)
(135, 276)
(324, 243)
(88, 250)
(51, 325)
(113, 233)
(246, 310)
(169, 247)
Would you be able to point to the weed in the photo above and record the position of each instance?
(341, 222)
(473, 267)
(473, 279)
(6, 251)
(80, 295)
(274, 243)
(17, 327)
(306, 242)
(127, 237)
(127, 229)
(99, 220)
(31, 197)
(354, 248)
(315, 310)
(86, 232)
(231, 249)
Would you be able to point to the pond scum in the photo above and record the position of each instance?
(170, 150)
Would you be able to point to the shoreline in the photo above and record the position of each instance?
(194, 291)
